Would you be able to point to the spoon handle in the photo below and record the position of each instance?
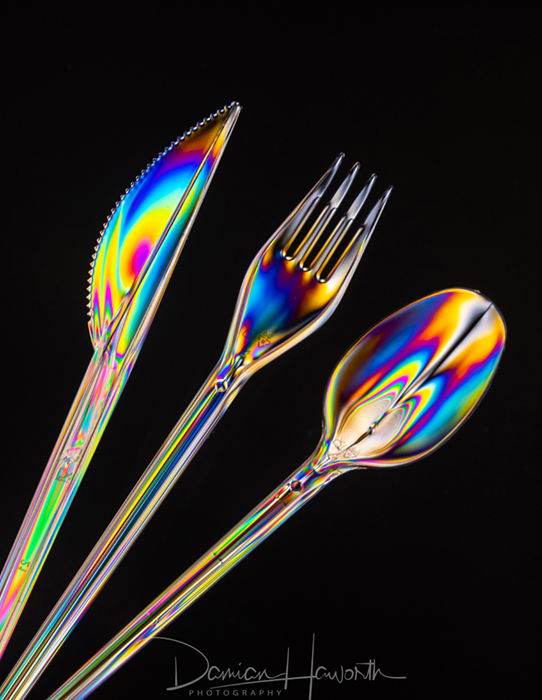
(274, 510)
(80, 435)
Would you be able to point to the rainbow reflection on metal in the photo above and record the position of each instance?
(396, 395)
(131, 266)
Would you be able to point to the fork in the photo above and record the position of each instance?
(291, 288)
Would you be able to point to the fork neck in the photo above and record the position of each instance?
(228, 375)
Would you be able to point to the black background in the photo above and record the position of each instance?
(430, 570)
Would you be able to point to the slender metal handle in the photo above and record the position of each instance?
(82, 430)
(299, 488)
(167, 466)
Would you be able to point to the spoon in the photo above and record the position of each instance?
(395, 397)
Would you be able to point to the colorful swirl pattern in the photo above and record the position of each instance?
(142, 235)
(291, 312)
(278, 299)
(136, 256)
(410, 381)
(420, 372)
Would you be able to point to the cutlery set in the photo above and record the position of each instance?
(401, 390)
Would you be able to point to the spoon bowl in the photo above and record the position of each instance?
(409, 383)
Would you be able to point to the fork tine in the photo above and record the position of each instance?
(295, 220)
(316, 231)
(351, 256)
(343, 225)
(356, 205)
(374, 215)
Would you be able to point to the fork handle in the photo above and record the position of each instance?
(167, 466)
(274, 510)
(65, 469)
